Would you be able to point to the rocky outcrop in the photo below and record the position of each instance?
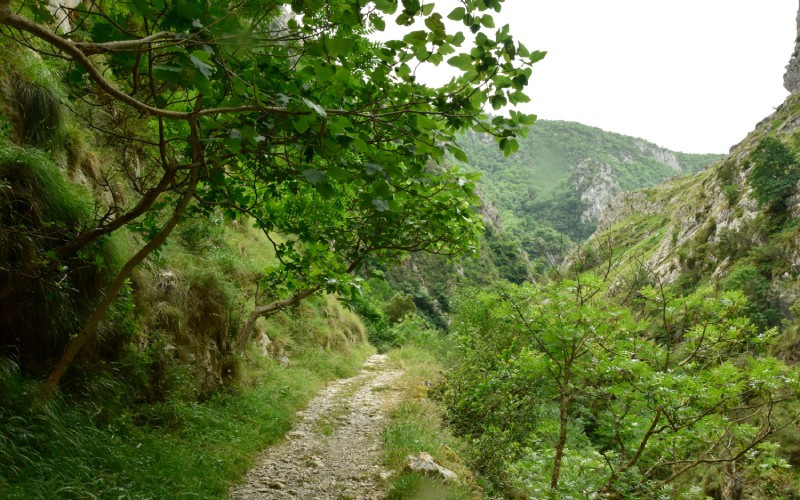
(791, 79)
(426, 465)
(594, 182)
(489, 213)
(663, 155)
(694, 221)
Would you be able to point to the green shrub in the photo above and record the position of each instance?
(731, 193)
(559, 367)
(399, 306)
(755, 284)
(775, 173)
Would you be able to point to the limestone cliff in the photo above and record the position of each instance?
(596, 187)
(791, 80)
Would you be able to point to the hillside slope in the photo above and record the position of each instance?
(553, 149)
(721, 226)
(551, 192)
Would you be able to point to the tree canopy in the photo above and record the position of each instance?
(287, 114)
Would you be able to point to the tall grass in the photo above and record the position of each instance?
(40, 113)
(101, 447)
(41, 304)
(30, 97)
(415, 425)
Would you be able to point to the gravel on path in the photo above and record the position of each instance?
(334, 450)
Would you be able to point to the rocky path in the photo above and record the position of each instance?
(334, 450)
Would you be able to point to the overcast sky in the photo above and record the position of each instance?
(690, 75)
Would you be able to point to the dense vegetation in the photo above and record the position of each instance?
(286, 117)
(206, 210)
(180, 179)
(562, 390)
(699, 265)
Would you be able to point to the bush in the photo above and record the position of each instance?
(559, 367)
(755, 284)
(398, 306)
(775, 174)
(731, 192)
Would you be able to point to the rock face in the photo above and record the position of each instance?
(663, 155)
(491, 216)
(791, 80)
(597, 187)
(696, 224)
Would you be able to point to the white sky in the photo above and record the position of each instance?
(690, 75)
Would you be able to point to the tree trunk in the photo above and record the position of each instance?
(562, 440)
(90, 327)
(733, 487)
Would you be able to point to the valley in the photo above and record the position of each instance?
(248, 251)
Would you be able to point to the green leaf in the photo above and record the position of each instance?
(459, 154)
(378, 22)
(461, 61)
(415, 37)
(340, 46)
(380, 205)
(301, 124)
(498, 101)
(537, 56)
(201, 66)
(457, 14)
(373, 168)
(338, 173)
(386, 6)
(315, 176)
(315, 107)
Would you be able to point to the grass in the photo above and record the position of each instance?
(415, 425)
(96, 449)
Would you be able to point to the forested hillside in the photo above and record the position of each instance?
(214, 215)
(552, 190)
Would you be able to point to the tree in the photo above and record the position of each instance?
(592, 396)
(775, 173)
(287, 114)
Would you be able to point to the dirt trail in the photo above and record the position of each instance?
(334, 450)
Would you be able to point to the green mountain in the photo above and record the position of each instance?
(552, 191)
(552, 150)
